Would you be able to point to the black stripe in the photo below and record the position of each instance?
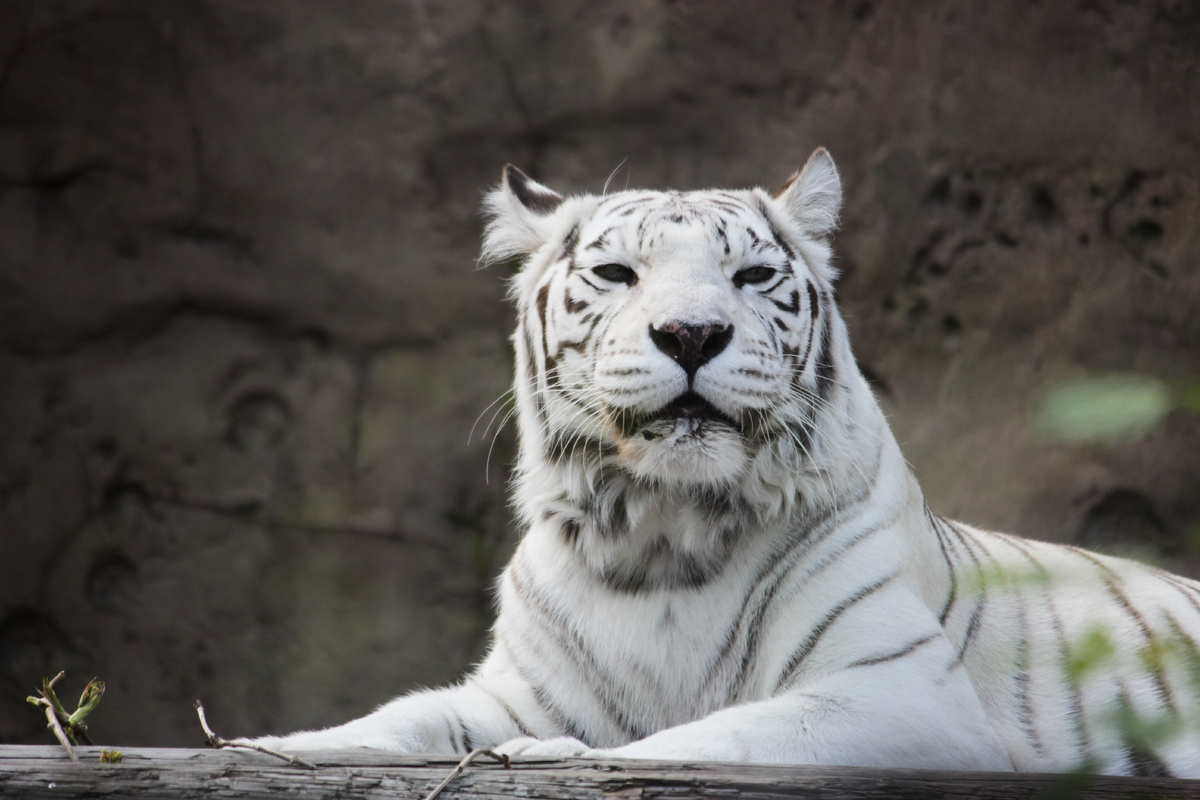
(775, 285)
(543, 296)
(775, 234)
(578, 346)
(1111, 579)
(762, 593)
(750, 653)
(594, 286)
(1192, 656)
(969, 544)
(729, 196)
(957, 533)
(901, 653)
(757, 244)
(1076, 712)
(1143, 762)
(721, 235)
(521, 726)
(572, 644)
(641, 232)
(591, 323)
(573, 305)
(531, 372)
(814, 637)
(970, 541)
(952, 594)
(1022, 677)
(600, 241)
(825, 369)
(748, 625)
(570, 242)
(1076, 697)
(972, 629)
(791, 306)
(779, 240)
(728, 202)
(1023, 680)
(454, 726)
(1181, 585)
(622, 201)
(802, 363)
(563, 722)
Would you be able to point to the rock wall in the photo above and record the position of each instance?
(243, 339)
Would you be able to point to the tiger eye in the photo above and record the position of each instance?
(616, 273)
(753, 276)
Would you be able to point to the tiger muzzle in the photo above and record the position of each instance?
(689, 408)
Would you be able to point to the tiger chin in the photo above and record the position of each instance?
(725, 556)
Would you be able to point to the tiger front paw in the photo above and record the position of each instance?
(562, 747)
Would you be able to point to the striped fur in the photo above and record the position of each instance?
(750, 573)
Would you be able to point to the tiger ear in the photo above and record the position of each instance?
(520, 209)
(534, 197)
(813, 196)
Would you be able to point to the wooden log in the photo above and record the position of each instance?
(36, 772)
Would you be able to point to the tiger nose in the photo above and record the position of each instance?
(691, 346)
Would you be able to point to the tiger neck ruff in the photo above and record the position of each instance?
(725, 555)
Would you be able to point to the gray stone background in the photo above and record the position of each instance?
(243, 337)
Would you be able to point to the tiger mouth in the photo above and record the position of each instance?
(688, 407)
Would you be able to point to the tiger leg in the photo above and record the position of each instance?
(895, 714)
(478, 713)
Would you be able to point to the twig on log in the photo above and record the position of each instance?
(461, 767)
(216, 741)
(48, 702)
(72, 724)
(58, 731)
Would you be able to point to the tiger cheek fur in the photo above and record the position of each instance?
(725, 555)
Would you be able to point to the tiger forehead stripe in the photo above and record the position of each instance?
(600, 241)
(625, 205)
(718, 211)
(570, 242)
(778, 238)
(760, 245)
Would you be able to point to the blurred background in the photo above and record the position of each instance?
(244, 340)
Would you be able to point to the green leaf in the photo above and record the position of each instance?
(1088, 652)
(1104, 410)
(87, 701)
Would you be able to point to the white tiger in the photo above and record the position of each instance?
(726, 556)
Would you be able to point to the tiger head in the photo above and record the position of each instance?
(671, 334)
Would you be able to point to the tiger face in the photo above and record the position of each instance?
(677, 333)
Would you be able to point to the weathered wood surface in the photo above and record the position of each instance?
(45, 772)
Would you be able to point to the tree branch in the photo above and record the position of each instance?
(461, 767)
(216, 741)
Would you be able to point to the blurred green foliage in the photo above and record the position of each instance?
(1111, 408)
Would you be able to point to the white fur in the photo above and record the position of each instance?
(773, 590)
